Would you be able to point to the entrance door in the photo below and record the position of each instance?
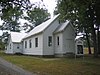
(79, 49)
(69, 45)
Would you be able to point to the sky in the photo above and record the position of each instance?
(50, 5)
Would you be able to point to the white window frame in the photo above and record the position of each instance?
(30, 43)
(25, 44)
(36, 42)
(49, 41)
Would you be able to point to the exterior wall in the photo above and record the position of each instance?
(69, 40)
(17, 47)
(58, 48)
(9, 47)
(34, 50)
(12, 48)
(49, 32)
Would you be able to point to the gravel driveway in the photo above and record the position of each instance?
(3, 71)
(7, 68)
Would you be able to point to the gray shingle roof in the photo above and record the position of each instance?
(41, 27)
(62, 27)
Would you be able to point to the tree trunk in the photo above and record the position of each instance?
(88, 42)
(98, 41)
(94, 42)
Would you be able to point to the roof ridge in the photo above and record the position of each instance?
(41, 27)
(62, 26)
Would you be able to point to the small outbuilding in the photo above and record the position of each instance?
(79, 47)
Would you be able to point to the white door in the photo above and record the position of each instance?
(69, 46)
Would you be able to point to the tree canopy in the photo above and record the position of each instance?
(11, 11)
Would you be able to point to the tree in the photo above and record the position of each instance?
(11, 11)
(84, 14)
(2, 46)
(36, 16)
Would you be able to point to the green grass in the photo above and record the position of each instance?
(56, 66)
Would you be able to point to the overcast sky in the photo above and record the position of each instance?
(50, 4)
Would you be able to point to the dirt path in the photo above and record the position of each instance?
(3, 71)
(7, 68)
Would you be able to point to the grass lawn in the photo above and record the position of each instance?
(56, 66)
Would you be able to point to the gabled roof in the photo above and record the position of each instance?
(17, 37)
(41, 27)
(62, 27)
